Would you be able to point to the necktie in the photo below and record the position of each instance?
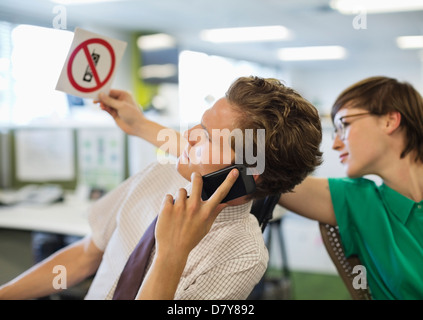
(132, 275)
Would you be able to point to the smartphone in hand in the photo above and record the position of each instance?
(244, 185)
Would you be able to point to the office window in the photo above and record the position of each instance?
(31, 59)
(6, 84)
(204, 78)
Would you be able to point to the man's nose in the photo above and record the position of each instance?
(188, 137)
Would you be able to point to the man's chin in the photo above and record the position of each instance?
(182, 170)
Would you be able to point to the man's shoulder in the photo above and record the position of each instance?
(158, 177)
(244, 234)
(159, 170)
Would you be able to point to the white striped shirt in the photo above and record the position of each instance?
(226, 264)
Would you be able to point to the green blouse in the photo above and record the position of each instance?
(385, 230)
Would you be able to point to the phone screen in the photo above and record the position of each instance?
(244, 185)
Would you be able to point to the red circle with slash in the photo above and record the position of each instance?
(84, 46)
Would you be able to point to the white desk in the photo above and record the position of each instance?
(69, 217)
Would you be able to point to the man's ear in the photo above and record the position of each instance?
(392, 121)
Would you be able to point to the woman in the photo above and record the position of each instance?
(378, 130)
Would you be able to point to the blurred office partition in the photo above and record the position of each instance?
(5, 159)
(102, 157)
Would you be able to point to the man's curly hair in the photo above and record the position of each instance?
(293, 132)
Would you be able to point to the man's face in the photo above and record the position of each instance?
(208, 147)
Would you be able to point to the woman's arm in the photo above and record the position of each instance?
(311, 199)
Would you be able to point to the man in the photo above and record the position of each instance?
(231, 258)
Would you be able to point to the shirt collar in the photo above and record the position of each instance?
(399, 205)
(235, 212)
(230, 212)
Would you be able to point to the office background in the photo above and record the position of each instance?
(176, 69)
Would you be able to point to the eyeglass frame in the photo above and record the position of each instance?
(340, 130)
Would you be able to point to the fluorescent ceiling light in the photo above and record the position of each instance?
(312, 53)
(158, 71)
(410, 42)
(156, 41)
(70, 2)
(247, 34)
(375, 6)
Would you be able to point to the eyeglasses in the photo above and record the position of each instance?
(341, 126)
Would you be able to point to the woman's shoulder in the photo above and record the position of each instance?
(361, 182)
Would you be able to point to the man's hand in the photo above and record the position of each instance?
(130, 118)
(180, 227)
(124, 110)
(184, 222)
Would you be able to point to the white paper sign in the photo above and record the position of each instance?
(91, 64)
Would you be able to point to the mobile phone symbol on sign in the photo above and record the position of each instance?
(88, 73)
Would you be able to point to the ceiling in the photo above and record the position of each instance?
(312, 22)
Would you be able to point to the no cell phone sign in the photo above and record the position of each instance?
(90, 65)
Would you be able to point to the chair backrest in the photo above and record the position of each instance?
(332, 240)
(263, 208)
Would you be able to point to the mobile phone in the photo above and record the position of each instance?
(244, 185)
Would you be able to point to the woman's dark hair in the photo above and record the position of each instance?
(381, 95)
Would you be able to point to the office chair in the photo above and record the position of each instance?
(278, 284)
(332, 241)
(263, 208)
